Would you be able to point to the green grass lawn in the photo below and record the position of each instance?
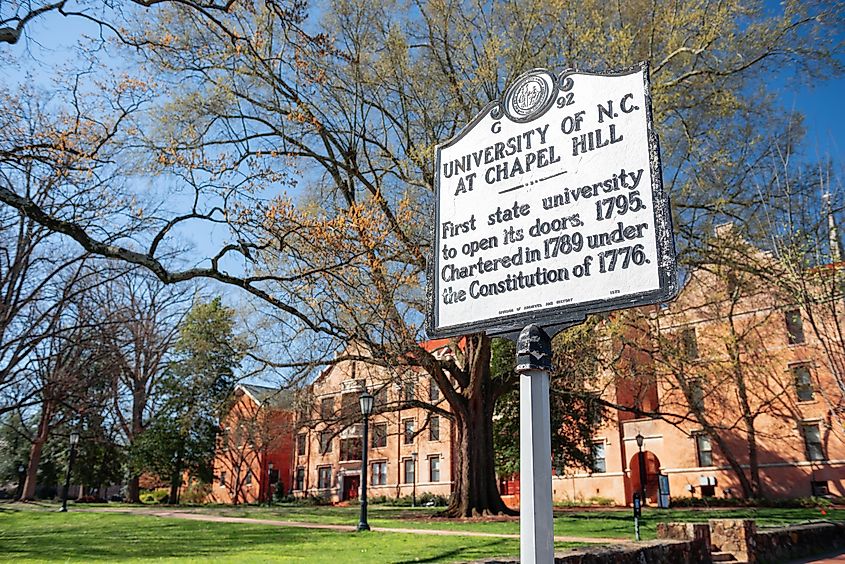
(598, 523)
(37, 533)
(47, 536)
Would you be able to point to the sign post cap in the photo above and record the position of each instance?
(533, 349)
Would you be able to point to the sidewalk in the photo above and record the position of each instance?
(177, 514)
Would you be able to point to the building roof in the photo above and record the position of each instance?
(274, 397)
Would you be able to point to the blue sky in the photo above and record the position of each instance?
(51, 41)
(824, 118)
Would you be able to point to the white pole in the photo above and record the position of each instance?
(536, 521)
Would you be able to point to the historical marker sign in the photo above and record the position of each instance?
(550, 206)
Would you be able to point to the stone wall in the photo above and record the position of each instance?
(652, 552)
(740, 538)
(737, 537)
(783, 544)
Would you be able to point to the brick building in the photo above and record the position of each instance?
(731, 376)
(410, 447)
(255, 448)
(736, 373)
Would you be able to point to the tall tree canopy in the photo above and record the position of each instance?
(197, 385)
(312, 135)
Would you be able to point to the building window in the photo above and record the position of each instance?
(794, 326)
(300, 444)
(350, 408)
(379, 435)
(327, 408)
(325, 442)
(248, 478)
(222, 479)
(408, 391)
(408, 431)
(379, 474)
(813, 441)
(433, 390)
(703, 450)
(300, 479)
(380, 397)
(689, 344)
(803, 383)
(599, 458)
(409, 466)
(696, 395)
(350, 449)
(434, 428)
(434, 469)
(324, 477)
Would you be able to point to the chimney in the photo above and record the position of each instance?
(832, 232)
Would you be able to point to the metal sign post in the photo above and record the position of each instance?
(536, 520)
(637, 514)
(549, 207)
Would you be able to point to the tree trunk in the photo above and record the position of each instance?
(175, 483)
(28, 492)
(744, 482)
(139, 397)
(176, 480)
(754, 488)
(133, 490)
(476, 489)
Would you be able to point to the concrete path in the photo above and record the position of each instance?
(176, 514)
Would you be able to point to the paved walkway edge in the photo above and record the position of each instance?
(348, 528)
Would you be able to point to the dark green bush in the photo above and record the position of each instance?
(315, 500)
(793, 503)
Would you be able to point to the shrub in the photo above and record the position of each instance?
(279, 494)
(428, 499)
(711, 502)
(793, 503)
(196, 492)
(596, 500)
(315, 500)
(158, 495)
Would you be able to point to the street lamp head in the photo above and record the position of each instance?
(366, 401)
(640, 440)
(21, 469)
(74, 438)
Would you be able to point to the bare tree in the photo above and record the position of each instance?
(348, 116)
(142, 317)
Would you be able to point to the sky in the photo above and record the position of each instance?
(51, 39)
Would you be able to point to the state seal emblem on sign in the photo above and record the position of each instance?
(530, 96)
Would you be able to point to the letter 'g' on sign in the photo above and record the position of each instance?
(550, 206)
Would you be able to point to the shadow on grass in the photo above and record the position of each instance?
(484, 549)
(90, 537)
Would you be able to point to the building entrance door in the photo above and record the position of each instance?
(350, 487)
(650, 474)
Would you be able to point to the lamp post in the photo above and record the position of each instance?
(21, 475)
(269, 484)
(366, 402)
(641, 455)
(414, 487)
(74, 438)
